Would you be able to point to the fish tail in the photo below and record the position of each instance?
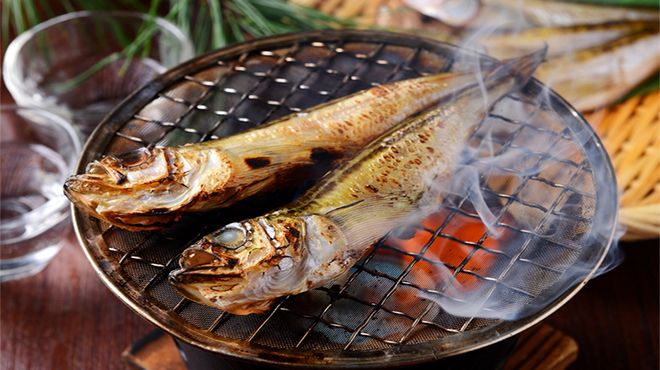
(522, 68)
(510, 76)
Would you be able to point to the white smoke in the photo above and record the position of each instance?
(541, 185)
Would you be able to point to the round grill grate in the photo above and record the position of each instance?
(400, 304)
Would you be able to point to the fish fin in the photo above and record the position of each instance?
(356, 218)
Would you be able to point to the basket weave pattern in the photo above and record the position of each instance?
(630, 132)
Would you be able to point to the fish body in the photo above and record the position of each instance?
(242, 267)
(152, 187)
(561, 40)
(451, 12)
(594, 77)
(551, 13)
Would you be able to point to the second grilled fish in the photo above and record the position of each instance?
(244, 266)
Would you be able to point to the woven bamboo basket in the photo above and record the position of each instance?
(630, 132)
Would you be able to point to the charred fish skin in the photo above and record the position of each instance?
(320, 236)
(152, 187)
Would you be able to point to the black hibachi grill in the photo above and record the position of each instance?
(554, 206)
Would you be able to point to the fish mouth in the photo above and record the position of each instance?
(188, 284)
(81, 189)
(87, 191)
(75, 190)
(187, 290)
(191, 278)
(79, 199)
(203, 287)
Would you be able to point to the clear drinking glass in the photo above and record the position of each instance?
(76, 65)
(38, 151)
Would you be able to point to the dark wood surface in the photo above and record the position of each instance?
(614, 318)
(65, 317)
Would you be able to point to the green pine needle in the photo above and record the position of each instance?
(648, 86)
(211, 24)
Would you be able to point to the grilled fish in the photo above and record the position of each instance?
(591, 78)
(551, 13)
(152, 187)
(561, 40)
(242, 267)
(518, 15)
(451, 12)
(589, 65)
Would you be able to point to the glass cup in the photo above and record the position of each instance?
(38, 151)
(81, 65)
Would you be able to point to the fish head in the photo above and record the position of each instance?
(123, 180)
(138, 190)
(235, 267)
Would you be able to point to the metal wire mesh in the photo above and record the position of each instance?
(542, 203)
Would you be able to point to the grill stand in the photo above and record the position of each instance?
(542, 347)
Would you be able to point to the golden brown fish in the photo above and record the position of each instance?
(242, 267)
(152, 187)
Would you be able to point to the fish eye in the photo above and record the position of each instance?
(231, 237)
(134, 157)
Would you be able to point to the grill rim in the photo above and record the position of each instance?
(404, 354)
